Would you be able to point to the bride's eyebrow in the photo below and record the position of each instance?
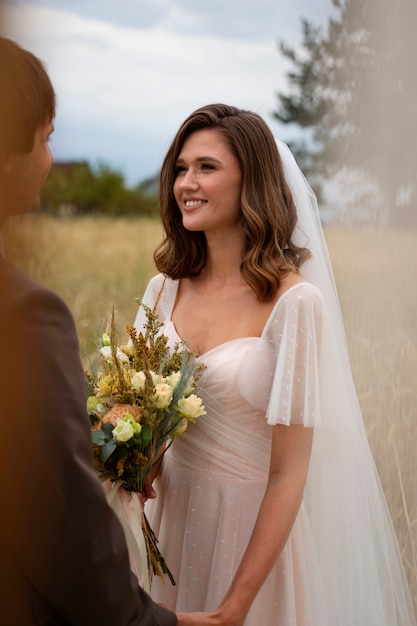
(201, 159)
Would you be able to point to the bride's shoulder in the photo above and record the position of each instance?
(160, 282)
(294, 288)
(299, 303)
(294, 281)
(161, 291)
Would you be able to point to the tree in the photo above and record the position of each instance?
(354, 85)
(76, 188)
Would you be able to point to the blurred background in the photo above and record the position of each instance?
(335, 79)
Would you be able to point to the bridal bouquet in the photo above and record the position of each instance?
(140, 399)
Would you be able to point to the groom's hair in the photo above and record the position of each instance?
(27, 98)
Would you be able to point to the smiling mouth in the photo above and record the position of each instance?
(192, 203)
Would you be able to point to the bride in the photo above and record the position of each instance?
(270, 511)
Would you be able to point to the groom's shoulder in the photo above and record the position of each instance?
(16, 285)
(24, 300)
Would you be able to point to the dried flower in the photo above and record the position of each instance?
(141, 400)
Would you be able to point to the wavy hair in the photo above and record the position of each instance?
(269, 214)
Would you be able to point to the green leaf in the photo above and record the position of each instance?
(107, 450)
(108, 430)
(146, 434)
(98, 437)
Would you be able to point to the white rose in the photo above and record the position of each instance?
(123, 358)
(106, 352)
(123, 431)
(191, 407)
(135, 425)
(173, 379)
(156, 378)
(162, 395)
(138, 381)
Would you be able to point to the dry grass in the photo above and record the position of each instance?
(376, 277)
(95, 262)
(91, 262)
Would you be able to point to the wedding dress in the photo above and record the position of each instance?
(341, 564)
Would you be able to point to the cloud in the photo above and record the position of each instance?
(123, 90)
(235, 18)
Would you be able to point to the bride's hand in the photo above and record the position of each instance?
(196, 619)
(148, 492)
(214, 618)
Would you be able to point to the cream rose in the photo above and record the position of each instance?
(162, 395)
(128, 349)
(191, 407)
(138, 381)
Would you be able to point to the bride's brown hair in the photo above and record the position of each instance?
(269, 214)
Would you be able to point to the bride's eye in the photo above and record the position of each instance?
(207, 166)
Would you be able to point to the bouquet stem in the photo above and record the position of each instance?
(156, 561)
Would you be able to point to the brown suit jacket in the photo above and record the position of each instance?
(63, 556)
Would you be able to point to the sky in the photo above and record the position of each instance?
(128, 72)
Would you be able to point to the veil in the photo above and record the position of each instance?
(360, 561)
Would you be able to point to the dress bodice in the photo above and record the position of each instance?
(233, 431)
(250, 383)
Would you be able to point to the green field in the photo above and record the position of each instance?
(95, 262)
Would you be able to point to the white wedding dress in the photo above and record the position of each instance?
(213, 480)
(341, 564)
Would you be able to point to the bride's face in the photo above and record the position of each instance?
(208, 183)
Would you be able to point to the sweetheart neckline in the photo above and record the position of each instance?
(220, 345)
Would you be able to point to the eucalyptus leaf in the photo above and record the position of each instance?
(107, 450)
(108, 429)
(98, 437)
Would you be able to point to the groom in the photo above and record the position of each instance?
(63, 554)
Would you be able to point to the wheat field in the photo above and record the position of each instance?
(95, 262)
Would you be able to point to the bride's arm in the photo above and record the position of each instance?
(290, 455)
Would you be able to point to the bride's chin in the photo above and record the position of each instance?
(190, 226)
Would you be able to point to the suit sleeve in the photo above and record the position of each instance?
(59, 528)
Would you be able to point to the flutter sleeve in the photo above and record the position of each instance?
(295, 335)
(281, 375)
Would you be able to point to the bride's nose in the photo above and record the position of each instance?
(189, 179)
